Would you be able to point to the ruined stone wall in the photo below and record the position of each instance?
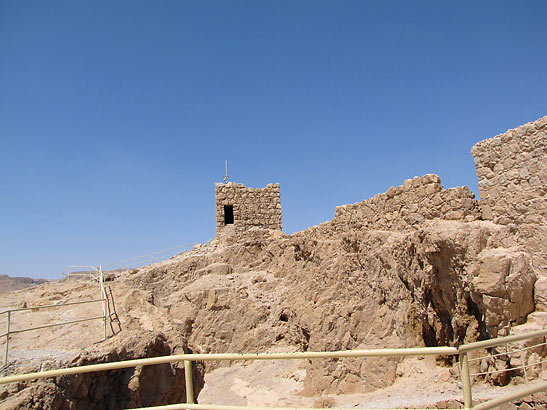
(416, 201)
(512, 173)
(252, 207)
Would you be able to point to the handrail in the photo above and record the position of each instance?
(96, 277)
(83, 266)
(505, 353)
(104, 296)
(188, 358)
(490, 404)
(147, 255)
(81, 302)
(80, 273)
(485, 344)
(183, 406)
(509, 369)
(418, 351)
(13, 332)
(153, 257)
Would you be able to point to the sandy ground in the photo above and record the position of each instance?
(279, 383)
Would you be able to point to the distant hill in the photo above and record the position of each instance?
(8, 284)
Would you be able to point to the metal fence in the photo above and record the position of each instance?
(139, 261)
(151, 258)
(461, 351)
(95, 274)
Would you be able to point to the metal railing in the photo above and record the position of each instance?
(147, 259)
(465, 373)
(91, 271)
(462, 352)
(505, 355)
(150, 258)
(96, 274)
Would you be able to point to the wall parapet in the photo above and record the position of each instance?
(417, 200)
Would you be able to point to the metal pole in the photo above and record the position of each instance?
(229, 356)
(103, 295)
(55, 324)
(7, 339)
(506, 398)
(185, 406)
(189, 381)
(485, 344)
(466, 381)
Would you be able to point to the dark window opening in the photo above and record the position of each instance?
(228, 214)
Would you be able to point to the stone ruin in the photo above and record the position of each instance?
(239, 208)
(408, 205)
(512, 173)
(512, 176)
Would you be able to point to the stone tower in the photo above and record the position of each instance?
(244, 208)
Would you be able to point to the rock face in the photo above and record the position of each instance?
(503, 285)
(116, 389)
(328, 288)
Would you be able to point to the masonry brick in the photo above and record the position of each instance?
(252, 207)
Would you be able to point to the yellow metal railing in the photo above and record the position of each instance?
(462, 351)
(10, 331)
(96, 274)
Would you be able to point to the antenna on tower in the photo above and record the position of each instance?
(226, 177)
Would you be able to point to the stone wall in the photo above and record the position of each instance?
(252, 207)
(512, 173)
(416, 201)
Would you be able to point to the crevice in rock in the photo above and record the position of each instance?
(474, 310)
(428, 335)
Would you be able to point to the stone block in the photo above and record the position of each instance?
(431, 179)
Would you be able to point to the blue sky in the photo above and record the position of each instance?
(116, 117)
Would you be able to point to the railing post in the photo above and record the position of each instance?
(466, 381)
(103, 296)
(189, 381)
(7, 339)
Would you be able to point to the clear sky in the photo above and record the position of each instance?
(116, 117)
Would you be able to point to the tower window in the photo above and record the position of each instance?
(228, 214)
